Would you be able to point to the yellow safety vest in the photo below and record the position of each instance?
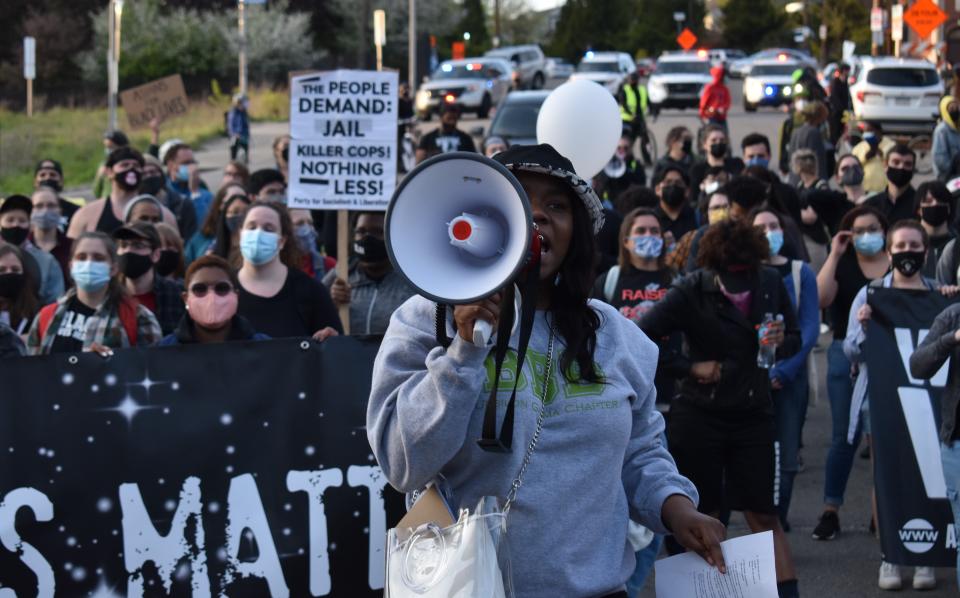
(629, 110)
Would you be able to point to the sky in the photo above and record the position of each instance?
(543, 4)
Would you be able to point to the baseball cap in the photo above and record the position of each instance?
(143, 231)
(16, 202)
(48, 164)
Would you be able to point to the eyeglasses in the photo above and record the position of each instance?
(222, 289)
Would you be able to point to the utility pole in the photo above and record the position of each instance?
(242, 67)
(114, 14)
(496, 23)
(412, 48)
(824, 33)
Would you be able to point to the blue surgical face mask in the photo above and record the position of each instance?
(775, 239)
(90, 276)
(758, 161)
(307, 238)
(871, 138)
(868, 243)
(259, 246)
(183, 173)
(647, 246)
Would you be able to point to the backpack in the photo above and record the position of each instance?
(128, 319)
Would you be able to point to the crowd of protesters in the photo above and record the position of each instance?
(717, 247)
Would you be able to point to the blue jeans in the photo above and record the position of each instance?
(645, 560)
(841, 454)
(950, 457)
(790, 407)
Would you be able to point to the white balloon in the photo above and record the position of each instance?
(581, 120)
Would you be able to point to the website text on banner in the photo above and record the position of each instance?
(343, 151)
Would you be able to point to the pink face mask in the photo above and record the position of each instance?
(212, 310)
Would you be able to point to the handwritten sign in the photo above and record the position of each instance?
(164, 98)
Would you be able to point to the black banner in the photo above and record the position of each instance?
(916, 524)
(240, 469)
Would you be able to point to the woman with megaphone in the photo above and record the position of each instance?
(588, 454)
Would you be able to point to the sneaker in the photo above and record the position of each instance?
(828, 528)
(924, 578)
(889, 577)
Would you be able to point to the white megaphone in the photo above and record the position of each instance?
(459, 229)
(616, 167)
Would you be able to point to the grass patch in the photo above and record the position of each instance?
(74, 136)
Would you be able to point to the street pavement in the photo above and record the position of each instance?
(845, 567)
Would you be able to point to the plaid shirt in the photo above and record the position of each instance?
(170, 308)
(103, 327)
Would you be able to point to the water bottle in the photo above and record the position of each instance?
(767, 355)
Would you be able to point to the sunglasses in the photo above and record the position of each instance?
(222, 289)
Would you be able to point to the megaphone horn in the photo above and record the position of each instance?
(459, 228)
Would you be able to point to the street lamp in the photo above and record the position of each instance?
(242, 66)
(113, 61)
(466, 36)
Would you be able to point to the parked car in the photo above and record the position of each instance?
(529, 65)
(678, 80)
(516, 118)
(769, 83)
(645, 67)
(724, 56)
(606, 68)
(475, 84)
(740, 68)
(901, 93)
(558, 69)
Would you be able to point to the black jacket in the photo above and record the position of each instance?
(938, 346)
(714, 330)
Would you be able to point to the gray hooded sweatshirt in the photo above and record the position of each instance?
(599, 463)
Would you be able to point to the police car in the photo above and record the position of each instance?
(769, 82)
(678, 80)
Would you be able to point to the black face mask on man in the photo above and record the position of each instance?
(134, 265)
(935, 214)
(151, 185)
(900, 177)
(15, 235)
(52, 183)
(673, 195)
(370, 249)
(128, 180)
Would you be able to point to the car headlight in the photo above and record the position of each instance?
(753, 89)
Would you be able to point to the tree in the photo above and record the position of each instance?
(474, 22)
(751, 24)
(845, 20)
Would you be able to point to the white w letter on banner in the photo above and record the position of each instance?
(905, 346)
(915, 403)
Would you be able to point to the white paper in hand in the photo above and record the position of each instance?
(751, 572)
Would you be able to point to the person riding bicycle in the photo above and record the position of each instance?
(632, 97)
(715, 100)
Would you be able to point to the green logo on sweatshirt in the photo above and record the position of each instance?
(538, 363)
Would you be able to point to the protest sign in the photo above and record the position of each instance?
(916, 524)
(163, 99)
(239, 469)
(343, 151)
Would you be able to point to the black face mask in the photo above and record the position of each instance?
(168, 262)
(128, 180)
(11, 284)
(285, 153)
(673, 195)
(908, 263)
(370, 249)
(53, 184)
(134, 265)
(936, 214)
(687, 146)
(718, 150)
(954, 114)
(151, 185)
(234, 222)
(900, 177)
(15, 235)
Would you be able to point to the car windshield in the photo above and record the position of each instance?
(516, 120)
(903, 77)
(461, 71)
(773, 69)
(695, 67)
(597, 67)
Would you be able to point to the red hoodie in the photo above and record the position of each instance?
(715, 100)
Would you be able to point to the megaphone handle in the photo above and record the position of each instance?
(482, 331)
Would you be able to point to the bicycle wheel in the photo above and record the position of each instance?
(922, 145)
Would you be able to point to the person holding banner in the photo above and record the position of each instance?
(788, 377)
(940, 344)
(856, 257)
(907, 246)
(276, 296)
(600, 459)
(97, 315)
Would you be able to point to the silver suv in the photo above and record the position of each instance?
(529, 65)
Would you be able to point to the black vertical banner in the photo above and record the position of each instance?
(916, 524)
(240, 469)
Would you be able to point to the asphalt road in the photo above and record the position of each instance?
(846, 567)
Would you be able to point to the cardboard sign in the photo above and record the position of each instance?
(29, 58)
(164, 98)
(343, 151)
(923, 17)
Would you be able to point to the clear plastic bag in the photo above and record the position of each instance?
(459, 561)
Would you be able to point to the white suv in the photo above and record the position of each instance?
(678, 80)
(901, 93)
(606, 68)
(529, 65)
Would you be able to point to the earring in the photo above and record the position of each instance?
(556, 280)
